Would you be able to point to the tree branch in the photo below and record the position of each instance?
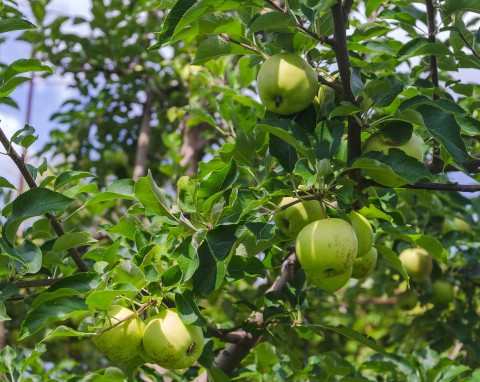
(322, 39)
(31, 183)
(432, 38)
(428, 186)
(475, 53)
(354, 143)
(35, 283)
(144, 137)
(231, 357)
(252, 48)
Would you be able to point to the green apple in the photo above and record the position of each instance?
(442, 293)
(286, 84)
(291, 220)
(170, 343)
(364, 265)
(376, 142)
(407, 300)
(364, 232)
(327, 248)
(417, 262)
(122, 342)
(455, 224)
(329, 284)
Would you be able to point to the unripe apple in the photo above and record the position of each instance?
(329, 284)
(292, 219)
(442, 293)
(376, 142)
(364, 265)
(124, 341)
(417, 262)
(286, 83)
(170, 343)
(455, 224)
(364, 232)
(327, 248)
(407, 300)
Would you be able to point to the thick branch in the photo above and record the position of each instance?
(231, 357)
(432, 38)
(35, 283)
(31, 183)
(436, 166)
(354, 144)
(429, 186)
(144, 137)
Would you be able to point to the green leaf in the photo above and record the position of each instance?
(50, 312)
(291, 133)
(395, 163)
(240, 267)
(26, 65)
(152, 197)
(188, 310)
(127, 272)
(218, 180)
(327, 138)
(34, 202)
(343, 110)
(102, 299)
(393, 259)
(121, 189)
(171, 22)
(284, 152)
(353, 335)
(384, 90)
(422, 47)
(213, 254)
(10, 85)
(25, 137)
(452, 6)
(72, 240)
(272, 21)
(65, 331)
(15, 24)
(69, 176)
(215, 47)
(445, 129)
(4, 183)
(3, 313)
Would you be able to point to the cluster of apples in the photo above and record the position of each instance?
(287, 84)
(163, 339)
(330, 250)
(419, 264)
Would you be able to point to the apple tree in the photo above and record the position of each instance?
(246, 190)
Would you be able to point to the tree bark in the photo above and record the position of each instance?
(193, 147)
(143, 142)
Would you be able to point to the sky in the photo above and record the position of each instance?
(51, 92)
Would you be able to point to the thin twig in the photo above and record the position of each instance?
(333, 85)
(126, 318)
(19, 162)
(475, 53)
(322, 39)
(236, 42)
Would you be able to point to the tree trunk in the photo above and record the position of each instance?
(144, 138)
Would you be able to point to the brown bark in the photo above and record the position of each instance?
(231, 357)
(143, 142)
(193, 147)
(3, 335)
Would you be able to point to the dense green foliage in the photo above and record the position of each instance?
(198, 234)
